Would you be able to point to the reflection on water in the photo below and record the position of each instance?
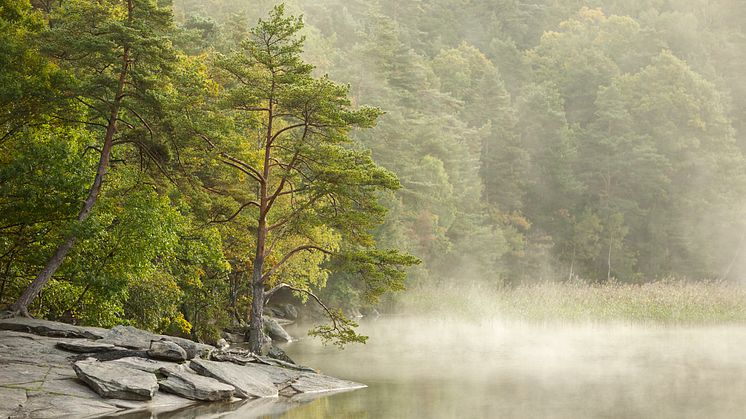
(439, 368)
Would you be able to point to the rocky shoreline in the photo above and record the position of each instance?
(50, 369)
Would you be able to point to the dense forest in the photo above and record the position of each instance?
(502, 142)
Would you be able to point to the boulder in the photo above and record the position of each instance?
(275, 331)
(114, 381)
(249, 382)
(166, 350)
(290, 311)
(222, 344)
(196, 387)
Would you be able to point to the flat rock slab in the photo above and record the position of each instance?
(196, 387)
(48, 405)
(11, 401)
(25, 348)
(318, 383)
(166, 350)
(249, 382)
(113, 381)
(143, 364)
(49, 328)
(85, 346)
(133, 338)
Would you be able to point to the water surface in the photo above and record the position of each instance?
(439, 367)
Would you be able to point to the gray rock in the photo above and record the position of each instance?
(234, 337)
(49, 328)
(277, 353)
(249, 382)
(143, 364)
(222, 344)
(11, 401)
(275, 331)
(85, 346)
(114, 381)
(290, 311)
(133, 338)
(317, 383)
(50, 405)
(166, 350)
(196, 387)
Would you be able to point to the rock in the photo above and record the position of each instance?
(249, 382)
(113, 354)
(277, 353)
(24, 348)
(114, 381)
(86, 346)
(133, 338)
(196, 387)
(166, 350)
(11, 401)
(50, 405)
(282, 364)
(234, 337)
(143, 364)
(275, 331)
(290, 311)
(49, 328)
(317, 383)
(222, 344)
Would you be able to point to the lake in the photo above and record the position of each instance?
(440, 367)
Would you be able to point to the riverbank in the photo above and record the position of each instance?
(50, 369)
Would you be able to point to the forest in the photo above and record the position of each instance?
(170, 165)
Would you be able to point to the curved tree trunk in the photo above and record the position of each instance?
(54, 263)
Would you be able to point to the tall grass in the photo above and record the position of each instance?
(664, 301)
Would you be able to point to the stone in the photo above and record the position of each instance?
(11, 401)
(133, 338)
(114, 381)
(50, 405)
(278, 353)
(275, 331)
(166, 350)
(196, 387)
(290, 311)
(222, 344)
(143, 364)
(249, 382)
(52, 329)
(86, 346)
(318, 383)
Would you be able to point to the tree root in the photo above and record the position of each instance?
(12, 313)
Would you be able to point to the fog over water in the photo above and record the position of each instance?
(438, 367)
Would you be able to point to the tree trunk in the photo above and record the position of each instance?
(256, 335)
(54, 263)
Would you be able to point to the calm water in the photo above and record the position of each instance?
(441, 368)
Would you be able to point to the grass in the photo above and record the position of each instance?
(665, 301)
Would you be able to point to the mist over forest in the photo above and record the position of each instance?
(496, 144)
(541, 140)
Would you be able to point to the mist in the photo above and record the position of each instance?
(507, 208)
